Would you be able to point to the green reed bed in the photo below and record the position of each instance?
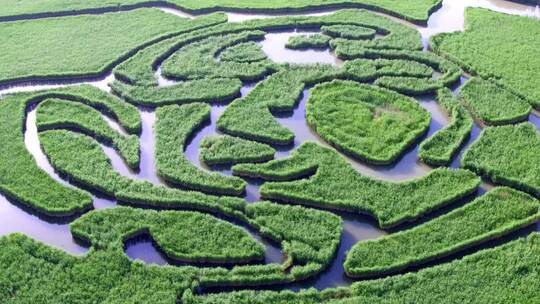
(126, 115)
(507, 54)
(406, 84)
(505, 274)
(309, 240)
(327, 180)
(96, 42)
(251, 117)
(174, 126)
(243, 52)
(346, 31)
(21, 178)
(492, 104)
(415, 11)
(364, 70)
(313, 41)
(34, 272)
(182, 235)
(499, 212)
(207, 90)
(439, 149)
(139, 69)
(507, 155)
(82, 159)
(198, 60)
(366, 122)
(58, 114)
(224, 149)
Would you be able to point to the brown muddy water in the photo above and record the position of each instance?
(55, 232)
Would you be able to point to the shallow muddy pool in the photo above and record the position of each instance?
(15, 218)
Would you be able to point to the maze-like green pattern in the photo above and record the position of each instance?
(201, 218)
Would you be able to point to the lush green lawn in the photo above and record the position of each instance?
(414, 10)
(81, 45)
(509, 54)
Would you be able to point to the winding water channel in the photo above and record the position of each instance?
(55, 232)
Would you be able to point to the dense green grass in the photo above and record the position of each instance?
(492, 104)
(309, 239)
(58, 114)
(495, 214)
(251, 117)
(37, 273)
(20, 177)
(508, 54)
(439, 149)
(88, 45)
(243, 52)
(126, 115)
(333, 183)
(346, 31)
(507, 155)
(505, 274)
(205, 90)
(415, 10)
(308, 253)
(174, 127)
(369, 123)
(139, 69)
(224, 149)
(198, 60)
(84, 162)
(417, 85)
(365, 70)
(312, 41)
(182, 235)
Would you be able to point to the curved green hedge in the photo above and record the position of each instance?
(497, 213)
(224, 149)
(333, 183)
(58, 114)
(174, 126)
(439, 149)
(182, 235)
(21, 179)
(505, 274)
(369, 123)
(312, 41)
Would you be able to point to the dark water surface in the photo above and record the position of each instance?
(55, 232)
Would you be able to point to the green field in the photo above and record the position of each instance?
(508, 54)
(322, 154)
(415, 10)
